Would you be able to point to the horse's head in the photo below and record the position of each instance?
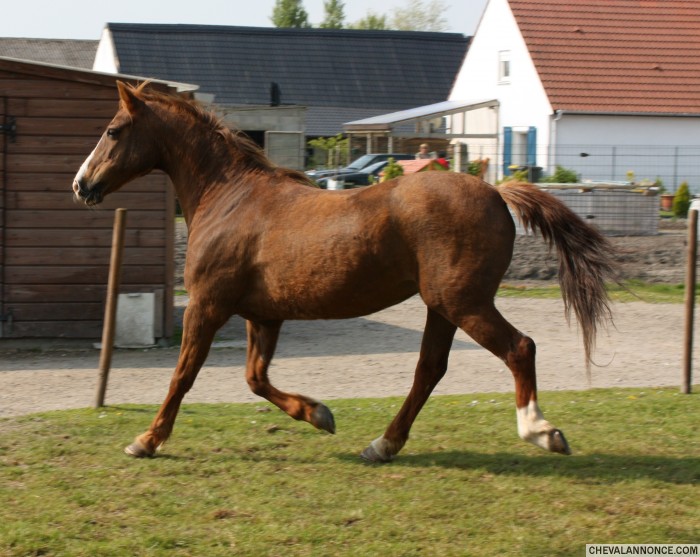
(125, 151)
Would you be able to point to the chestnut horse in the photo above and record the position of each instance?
(266, 245)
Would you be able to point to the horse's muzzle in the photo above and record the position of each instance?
(91, 196)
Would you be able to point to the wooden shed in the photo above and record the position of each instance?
(54, 253)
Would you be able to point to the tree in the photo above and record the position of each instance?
(415, 15)
(289, 13)
(335, 14)
(336, 148)
(420, 15)
(371, 21)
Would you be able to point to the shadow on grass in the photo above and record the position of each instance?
(594, 468)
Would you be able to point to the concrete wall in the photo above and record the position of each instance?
(613, 212)
(265, 118)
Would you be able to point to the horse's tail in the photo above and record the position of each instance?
(586, 259)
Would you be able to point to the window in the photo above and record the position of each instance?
(504, 66)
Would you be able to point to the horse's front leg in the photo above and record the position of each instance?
(262, 341)
(199, 328)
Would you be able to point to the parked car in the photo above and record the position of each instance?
(358, 164)
(352, 179)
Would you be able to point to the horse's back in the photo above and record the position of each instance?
(455, 205)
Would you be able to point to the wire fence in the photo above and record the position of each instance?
(617, 186)
(614, 210)
(669, 166)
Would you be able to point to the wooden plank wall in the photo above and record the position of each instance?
(2, 213)
(56, 252)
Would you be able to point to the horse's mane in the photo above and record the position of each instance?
(252, 155)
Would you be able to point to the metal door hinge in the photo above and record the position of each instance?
(6, 324)
(9, 128)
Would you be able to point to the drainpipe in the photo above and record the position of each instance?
(553, 138)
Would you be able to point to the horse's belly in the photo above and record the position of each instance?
(321, 299)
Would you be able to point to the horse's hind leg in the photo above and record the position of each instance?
(432, 364)
(488, 327)
(262, 341)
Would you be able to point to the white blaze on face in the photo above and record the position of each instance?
(83, 168)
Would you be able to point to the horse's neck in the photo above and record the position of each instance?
(195, 168)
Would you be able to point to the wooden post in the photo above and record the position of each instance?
(115, 265)
(690, 279)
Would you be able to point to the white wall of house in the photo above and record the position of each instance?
(106, 57)
(627, 130)
(667, 147)
(523, 102)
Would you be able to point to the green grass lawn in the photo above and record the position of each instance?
(244, 479)
(631, 291)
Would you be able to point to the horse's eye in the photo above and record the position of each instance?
(113, 132)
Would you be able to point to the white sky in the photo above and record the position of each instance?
(85, 19)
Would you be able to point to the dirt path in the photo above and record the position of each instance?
(367, 357)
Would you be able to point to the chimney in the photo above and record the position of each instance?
(275, 94)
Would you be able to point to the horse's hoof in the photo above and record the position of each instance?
(370, 454)
(557, 442)
(322, 418)
(137, 450)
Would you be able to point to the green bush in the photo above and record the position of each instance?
(474, 167)
(392, 170)
(681, 201)
(515, 176)
(561, 176)
(659, 183)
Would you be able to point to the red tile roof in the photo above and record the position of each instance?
(635, 56)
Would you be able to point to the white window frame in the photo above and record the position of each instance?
(504, 67)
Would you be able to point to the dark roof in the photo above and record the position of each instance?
(335, 70)
(615, 56)
(82, 75)
(70, 53)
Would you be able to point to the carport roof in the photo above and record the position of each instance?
(389, 122)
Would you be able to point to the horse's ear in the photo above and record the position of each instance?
(128, 97)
